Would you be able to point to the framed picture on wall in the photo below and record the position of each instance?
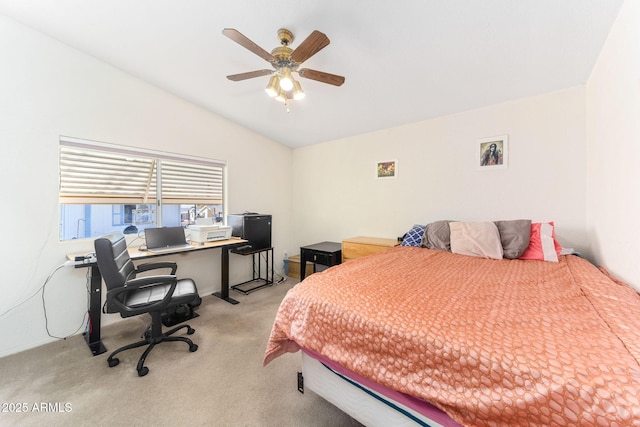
(492, 153)
(387, 169)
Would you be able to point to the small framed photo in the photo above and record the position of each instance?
(492, 153)
(387, 169)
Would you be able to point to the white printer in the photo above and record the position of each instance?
(202, 232)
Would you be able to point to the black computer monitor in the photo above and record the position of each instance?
(162, 237)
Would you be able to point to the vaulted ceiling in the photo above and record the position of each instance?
(403, 61)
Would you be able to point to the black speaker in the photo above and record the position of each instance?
(254, 227)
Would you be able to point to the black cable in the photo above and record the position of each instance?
(37, 291)
(281, 279)
(41, 290)
(85, 316)
(138, 236)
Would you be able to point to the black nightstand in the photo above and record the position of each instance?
(324, 253)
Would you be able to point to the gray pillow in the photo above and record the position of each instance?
(437, 235)
(514, 236)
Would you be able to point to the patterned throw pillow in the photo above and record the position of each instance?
(413, 236)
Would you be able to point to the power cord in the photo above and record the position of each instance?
(41, 290)
(281, 279)
(85, 316)
(140, 235)
(37, 291)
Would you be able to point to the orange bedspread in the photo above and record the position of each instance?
(490, 342)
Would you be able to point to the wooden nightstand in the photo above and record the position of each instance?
(356, 247)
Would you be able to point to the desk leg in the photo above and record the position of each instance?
(95, 300)
(224, 286)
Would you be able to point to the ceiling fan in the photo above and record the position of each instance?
(285, 61)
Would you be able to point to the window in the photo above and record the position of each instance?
(105, 188)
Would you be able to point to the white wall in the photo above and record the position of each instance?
(336, 195)
(48, 90)
(613, 140)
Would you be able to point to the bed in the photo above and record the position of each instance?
(486, 342)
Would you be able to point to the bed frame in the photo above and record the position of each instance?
(362, 403)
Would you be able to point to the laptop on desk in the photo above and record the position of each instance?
(165, 239)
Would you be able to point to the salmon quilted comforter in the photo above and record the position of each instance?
(489, 342)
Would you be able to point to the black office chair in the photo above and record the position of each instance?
(130, 295)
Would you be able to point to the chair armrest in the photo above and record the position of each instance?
(156, 265)
(143, 282)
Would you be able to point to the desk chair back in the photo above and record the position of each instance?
(113, 261)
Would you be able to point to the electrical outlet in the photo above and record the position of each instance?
(300, 383)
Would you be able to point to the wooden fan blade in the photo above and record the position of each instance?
(320, 76)
(249, 75)
(310, 46)
(243, 41)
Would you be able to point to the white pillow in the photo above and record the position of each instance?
(481, 239)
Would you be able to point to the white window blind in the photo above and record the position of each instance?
(184, 183)
(97, 173)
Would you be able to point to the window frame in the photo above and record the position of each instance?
(97, 173)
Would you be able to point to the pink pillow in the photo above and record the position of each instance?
(543, 245)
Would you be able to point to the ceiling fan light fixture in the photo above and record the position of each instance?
(286, 81)
(281, 96)
(273, 86)
(284, 62)
(298, 93)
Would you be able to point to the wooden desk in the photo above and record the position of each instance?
(225, 245)
(95, 297)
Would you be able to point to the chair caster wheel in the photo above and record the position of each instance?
(190, 331)
(193, 348)
(143, 371)
(113, 362)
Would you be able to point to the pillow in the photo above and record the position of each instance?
(514, 236)
(543, 245)
(413, 237)
(437, 236)
(481, 239)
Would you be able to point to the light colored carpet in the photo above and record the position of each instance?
(221, 384)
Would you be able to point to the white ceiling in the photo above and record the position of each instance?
(404, 61)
